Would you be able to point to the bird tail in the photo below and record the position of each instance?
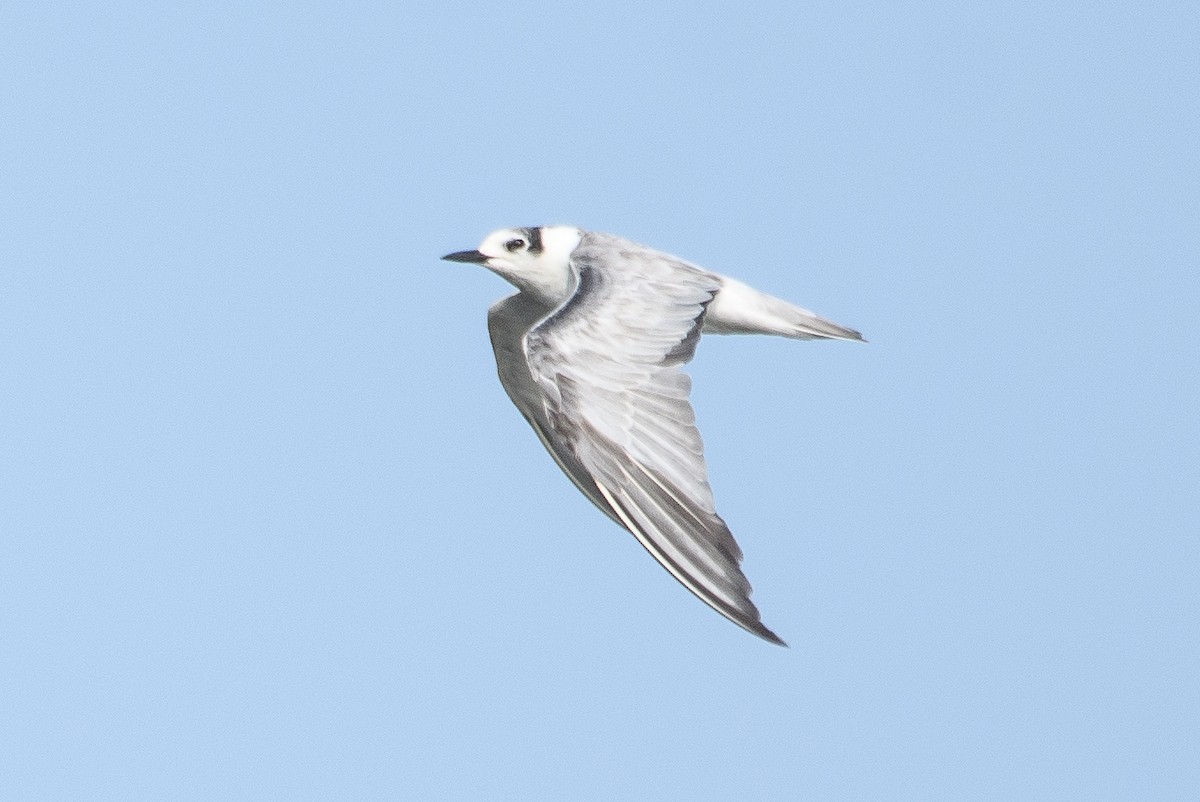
(740, 309)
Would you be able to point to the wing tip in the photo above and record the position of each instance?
(760, 629)
(845, 333)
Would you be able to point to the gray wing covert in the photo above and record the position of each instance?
(509, 320)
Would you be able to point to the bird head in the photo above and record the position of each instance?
(535, 260)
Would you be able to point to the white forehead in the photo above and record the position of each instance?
(495, 240)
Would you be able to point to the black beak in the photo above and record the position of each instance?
(472, 257)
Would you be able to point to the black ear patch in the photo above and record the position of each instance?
(534, 237)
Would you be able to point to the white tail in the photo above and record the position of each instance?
(738, 308)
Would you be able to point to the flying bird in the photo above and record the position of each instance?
(591, 351)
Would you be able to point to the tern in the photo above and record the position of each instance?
(591, 351)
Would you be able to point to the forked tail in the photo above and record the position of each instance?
(740, 309)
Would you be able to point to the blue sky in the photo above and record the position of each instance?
(271, 528)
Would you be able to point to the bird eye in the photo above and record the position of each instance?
(514, 245)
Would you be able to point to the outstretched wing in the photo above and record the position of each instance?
(616, 416)
(509, 320)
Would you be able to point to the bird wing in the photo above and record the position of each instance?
(509, 320)
(615, 411)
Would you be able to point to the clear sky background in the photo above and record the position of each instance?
(271, 529)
